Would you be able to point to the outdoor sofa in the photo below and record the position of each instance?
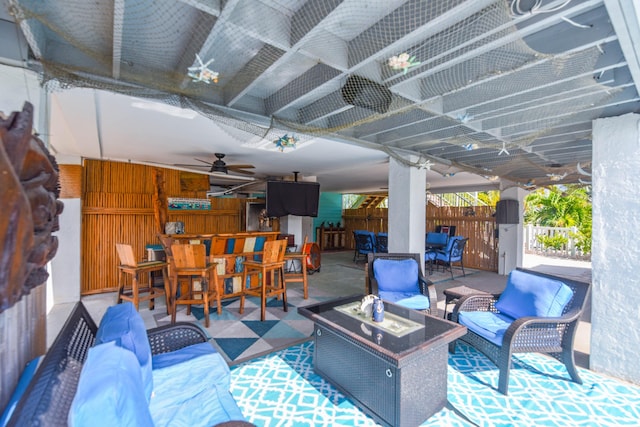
(122, 374)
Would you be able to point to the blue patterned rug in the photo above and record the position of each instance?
(239, 337)
(281, 389)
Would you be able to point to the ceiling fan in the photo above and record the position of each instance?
(220, 166)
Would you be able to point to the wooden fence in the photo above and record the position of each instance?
(477, 223)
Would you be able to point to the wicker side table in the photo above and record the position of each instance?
(452, 295)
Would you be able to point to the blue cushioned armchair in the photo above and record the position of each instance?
(453, 253)
(365, 242)
(397, 278)
(535, 313)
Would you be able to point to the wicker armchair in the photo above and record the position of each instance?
(548, 335)
(421, 297)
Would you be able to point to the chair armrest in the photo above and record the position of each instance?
(428, 289)
(478, 302)
(539, 331)
(169, 338)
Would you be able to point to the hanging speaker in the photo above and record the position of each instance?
(507, 212)
(365, 93)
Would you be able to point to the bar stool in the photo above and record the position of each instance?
(190, 260)
(292, 275)
(272, 261)
(137, 294)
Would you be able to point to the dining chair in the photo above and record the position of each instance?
(264, 285)
(292, 274)
(137, 292)
(365, 242)
(190, 261)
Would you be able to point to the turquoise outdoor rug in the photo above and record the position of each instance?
(281, 389)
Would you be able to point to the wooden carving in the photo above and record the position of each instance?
(29, 192)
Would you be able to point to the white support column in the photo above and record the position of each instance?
(511, 236)
(407, 207)
(64, 268)
(615, 258)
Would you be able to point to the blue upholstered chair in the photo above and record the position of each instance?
(382, 242)
(535, 313)
(397, 278)
(365, 242)
(453, 253)
(433, 242)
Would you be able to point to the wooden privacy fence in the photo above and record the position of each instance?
(117, 208)
(476, 223)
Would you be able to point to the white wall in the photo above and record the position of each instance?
(615, 302)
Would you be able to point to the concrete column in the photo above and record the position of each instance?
(64, 268)
(407, 207)
(511, 236)
(615, 301)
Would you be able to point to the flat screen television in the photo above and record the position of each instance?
(292, 198)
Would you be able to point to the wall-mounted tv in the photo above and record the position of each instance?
(292, 198)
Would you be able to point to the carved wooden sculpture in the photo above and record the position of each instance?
(29, 192)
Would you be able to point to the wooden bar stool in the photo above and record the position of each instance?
(272, 261)
(136, 294)
(191, 261)
(291, 275)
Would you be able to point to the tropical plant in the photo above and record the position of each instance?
(562, 206)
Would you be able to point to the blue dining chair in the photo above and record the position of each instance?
(453, 253)
(365, 242)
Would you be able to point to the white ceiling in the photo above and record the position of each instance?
(490, 78)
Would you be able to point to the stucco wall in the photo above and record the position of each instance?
(615, 319)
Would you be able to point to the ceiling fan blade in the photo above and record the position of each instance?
(192, 166)
(240, 167)
(203, 161)
(241, 171)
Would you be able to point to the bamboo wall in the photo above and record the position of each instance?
(481, 251)
(117, 208)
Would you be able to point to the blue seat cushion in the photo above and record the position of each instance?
(194, 393)
(407, 299)
(123, 324)
(531, 295)
(110, 390)
(182, 355)
(397, 275)
(491, 326)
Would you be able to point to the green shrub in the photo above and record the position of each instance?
(557, 241)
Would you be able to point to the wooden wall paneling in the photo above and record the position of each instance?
(117, 208)
(70, 181)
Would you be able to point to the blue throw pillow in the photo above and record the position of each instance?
(123, 324)
(110, 391)
(396, 275)
(530, 295)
